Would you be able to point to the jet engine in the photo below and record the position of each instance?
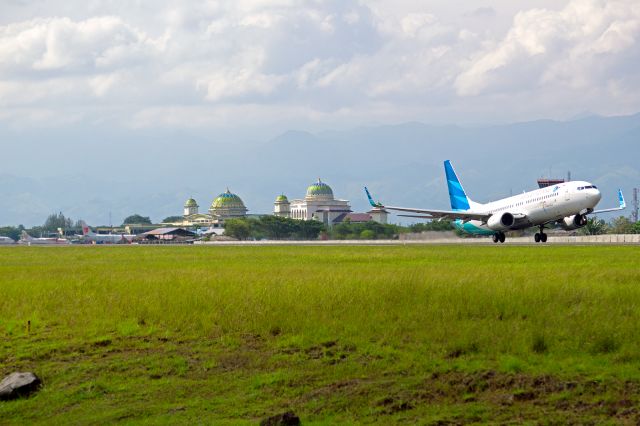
(576, 221)
(501, 222)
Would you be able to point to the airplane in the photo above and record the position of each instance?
(29, 240)
(6, 240)
(89, 235)
(566, 204)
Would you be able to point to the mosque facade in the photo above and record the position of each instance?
(225, 206)
(320, 204)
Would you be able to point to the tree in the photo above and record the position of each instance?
(432, 225)
(12, 232)
(309, 229)
(367, 234)
(275, 227)
(55, 221)
(136, 219)
(237, 228)
(594, 226)
(621, 225)
(172, 219)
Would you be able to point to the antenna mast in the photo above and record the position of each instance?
(634, 213)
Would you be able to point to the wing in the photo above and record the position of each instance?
(465, 216)
(622, 205)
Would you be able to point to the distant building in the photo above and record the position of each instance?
(320, 204)
(225, 206)
(168, 235)
(544, 182)
(282, 206)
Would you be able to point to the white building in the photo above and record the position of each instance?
(319, 204)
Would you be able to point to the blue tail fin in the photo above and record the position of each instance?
(459, 199)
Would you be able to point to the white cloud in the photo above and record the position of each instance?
(334, 59)
(575, 46)
(60, 44)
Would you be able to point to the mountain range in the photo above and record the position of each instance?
(102, 174)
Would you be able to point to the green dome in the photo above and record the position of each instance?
(282, 199)
(191, 203)
(227, 200)
(319, 190)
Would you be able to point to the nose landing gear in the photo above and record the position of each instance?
(499, 237)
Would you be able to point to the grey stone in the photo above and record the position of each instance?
(18, 384)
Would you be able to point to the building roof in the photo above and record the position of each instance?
(227, 200)
(282, 199)
(166, 231)
(319, 190)
(353, 217)
(191, 203)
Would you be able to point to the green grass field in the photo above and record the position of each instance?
(226, 335)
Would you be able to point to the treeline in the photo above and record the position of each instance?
(618, 225)
(50, 226)
(273, 228)
(280, 228)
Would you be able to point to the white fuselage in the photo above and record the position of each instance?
(44, 241)
(109, 238)
(539, 207)
(6, 240)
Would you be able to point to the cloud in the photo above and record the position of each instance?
(573, 47)
(406, 60)
(60, 45)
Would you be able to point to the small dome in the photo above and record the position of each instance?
(319, 190)
(282, 199)
(227, 200)
(191, 203)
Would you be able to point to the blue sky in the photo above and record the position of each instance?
(256, 66)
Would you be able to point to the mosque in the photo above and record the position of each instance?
(319, 204)
(225, 206)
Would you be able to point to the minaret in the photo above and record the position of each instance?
(190, 207)
(282, 207)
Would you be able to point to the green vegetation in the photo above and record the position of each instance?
(172, 219)
(428, 334)
(137, 219)
(273, 228)
(365, 231)
(55, 221)
(11, 231)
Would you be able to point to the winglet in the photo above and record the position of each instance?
(623, 204)
(373, 204)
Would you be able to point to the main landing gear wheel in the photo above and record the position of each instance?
(540, 237)
(499, 237)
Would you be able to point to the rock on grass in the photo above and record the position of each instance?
(18, 384)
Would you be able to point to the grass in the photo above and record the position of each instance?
(385, 335)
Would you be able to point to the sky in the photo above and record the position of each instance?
(129, 106)
(256, 68)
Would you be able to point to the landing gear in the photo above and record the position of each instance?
(499, 237)
(540, 237)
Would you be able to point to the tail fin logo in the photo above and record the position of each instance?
(459, 199)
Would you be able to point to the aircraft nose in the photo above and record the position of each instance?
(595, 195)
